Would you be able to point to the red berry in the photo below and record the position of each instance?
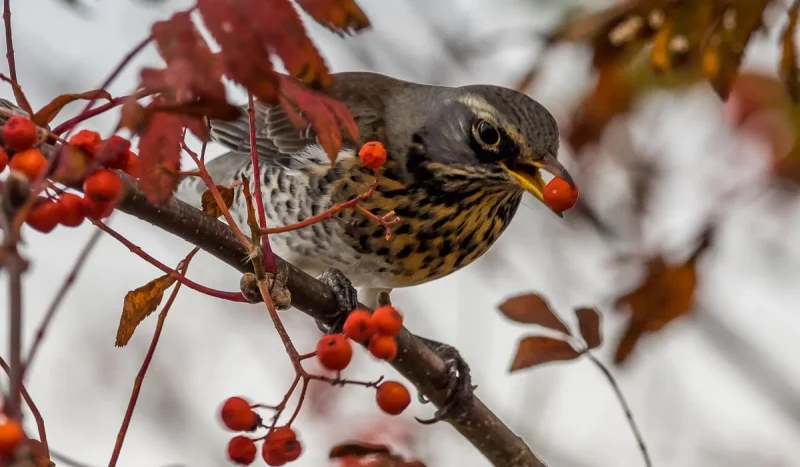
(44, 216)
(30, 162)
(103, 186)
(3, 159)
(19, 133)
(114, 152)
(130, 165)
(281, 446)
(11, 436)
(271, 456)
(559, 195)
(87, 140)
(237, 415)
(334, 352)
(383, 347)
(392, 397)
(359, 326)
(388, 321)
(95, 210)
(242, 450)
(372, 155)
(72, 209)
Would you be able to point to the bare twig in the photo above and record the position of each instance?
(89, 113)
(32, 407)
(137, 384)
(12, 66)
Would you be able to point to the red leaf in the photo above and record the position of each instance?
(535, 350)
(47, 113)
(289, 41)
(532, 309)
(340, 16)
(327, 116)
(160, 157)
(245, 57)
(358, 449)
(589, 325)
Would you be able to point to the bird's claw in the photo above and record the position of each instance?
(346, 297)
(459, 388)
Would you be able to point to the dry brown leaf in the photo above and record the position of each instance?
(210, 205)
(139, 304)
(532, 309)
(589, 325)
(46, 114)
(535, 350)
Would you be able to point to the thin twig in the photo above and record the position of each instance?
(137, 384)
(230, 296)
(89, 113)
(12, 66)
(269, 257)
(32, 407)
(625, 408)
(15, 265)
(59, 298)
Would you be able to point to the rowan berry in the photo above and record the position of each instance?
(103, 186)
(30, 162)
(72, 209)
(87, 140)
(237, 415)
(114, 152)
(11, 436)
(272, 457)
(383, 347)
(359, 326)
(559, 195)
(130, 164)
(281, 446)
(44, 216)
(372, 155)
(19, 133)
(96, 210)
(241, 450)
(3, 159)
(388, 321)
(392, 397)
(334, 352)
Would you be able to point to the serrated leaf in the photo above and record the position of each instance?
(536, 350)
(138, 305)
(327, 116)
(340, 16)
(589, 325)
(788, 70)
(46, 114)
(210, 205)
(532, 309)
(159, 157)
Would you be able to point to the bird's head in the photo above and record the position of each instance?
(496, 136)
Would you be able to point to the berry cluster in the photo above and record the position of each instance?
(102, 187)
(11, 437)
(280, 445)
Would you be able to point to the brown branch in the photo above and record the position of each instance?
(415, 361)
(12, 66)
(32, 407)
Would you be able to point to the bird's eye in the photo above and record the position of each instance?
(486, 134)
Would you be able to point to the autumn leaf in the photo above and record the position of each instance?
(47, 113)
(327, 116)
(139, 304)
(535, 350)
(19, 94)
(589, 325)
(357, 448)
(340, 16)
(788, 70)
(133, 116)
(532, 309)
(210, 205)
(611, 96)
(71, 165)
(159, 157)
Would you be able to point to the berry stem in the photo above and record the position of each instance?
(137, 383)
(32, 407)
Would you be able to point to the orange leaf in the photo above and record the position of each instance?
(159, 157)
(611, 96)
(532, 309)
(210, 205)
(289, 41)
(589, 325)
(245, 57)
(535, 350)
(138, 305)
(47, 113)
(788, 68)
(327, 116)
(341, 16)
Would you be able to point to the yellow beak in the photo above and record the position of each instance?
(527, 173)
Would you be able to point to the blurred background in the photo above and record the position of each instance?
(717, 387)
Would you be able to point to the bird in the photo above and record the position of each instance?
(459, 160)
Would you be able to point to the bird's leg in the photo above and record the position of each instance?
(459, 388)
(374, 297)
(346, 297)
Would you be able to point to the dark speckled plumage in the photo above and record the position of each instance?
(454, 199)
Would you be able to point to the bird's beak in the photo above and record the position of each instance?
(527, 173)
